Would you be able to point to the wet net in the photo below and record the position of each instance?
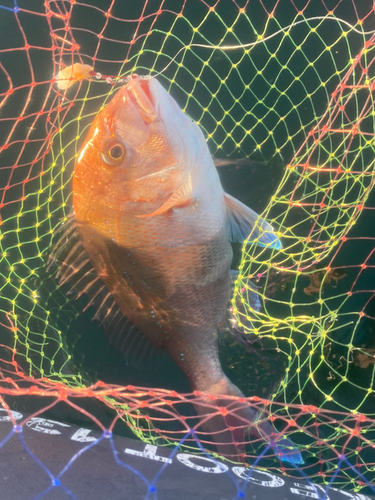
(284, 86)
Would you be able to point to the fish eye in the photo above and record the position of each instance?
(114, 153)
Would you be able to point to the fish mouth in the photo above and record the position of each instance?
(140, 95)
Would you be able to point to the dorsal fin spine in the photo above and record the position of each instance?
(73, 270)
(87, 287)
(93, 298)
(75, 266)
(101, 305)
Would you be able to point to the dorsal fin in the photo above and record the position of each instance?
(182, 197)
(242, 222)
(76, 269)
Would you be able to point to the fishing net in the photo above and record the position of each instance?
(287, 86)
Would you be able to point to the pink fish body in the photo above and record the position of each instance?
(154, 222)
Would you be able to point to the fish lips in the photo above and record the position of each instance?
(145, 96)
(141, 92)
(152, 101)
(133, 109)
(141, 95)
(127, 118)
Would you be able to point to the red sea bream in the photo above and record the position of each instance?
(154, 222)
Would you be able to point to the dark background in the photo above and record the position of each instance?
(257, 370)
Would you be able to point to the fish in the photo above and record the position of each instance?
(149, 241)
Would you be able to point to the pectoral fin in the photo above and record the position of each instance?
(182, 197)
(244, 222)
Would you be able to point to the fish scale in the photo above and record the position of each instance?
(156, 225)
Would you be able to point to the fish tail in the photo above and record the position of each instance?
(233, 419)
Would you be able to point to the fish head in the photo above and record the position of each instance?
(138, 151)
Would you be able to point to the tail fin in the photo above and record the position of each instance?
(233, 419)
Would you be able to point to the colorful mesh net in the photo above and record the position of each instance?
(286, 84)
